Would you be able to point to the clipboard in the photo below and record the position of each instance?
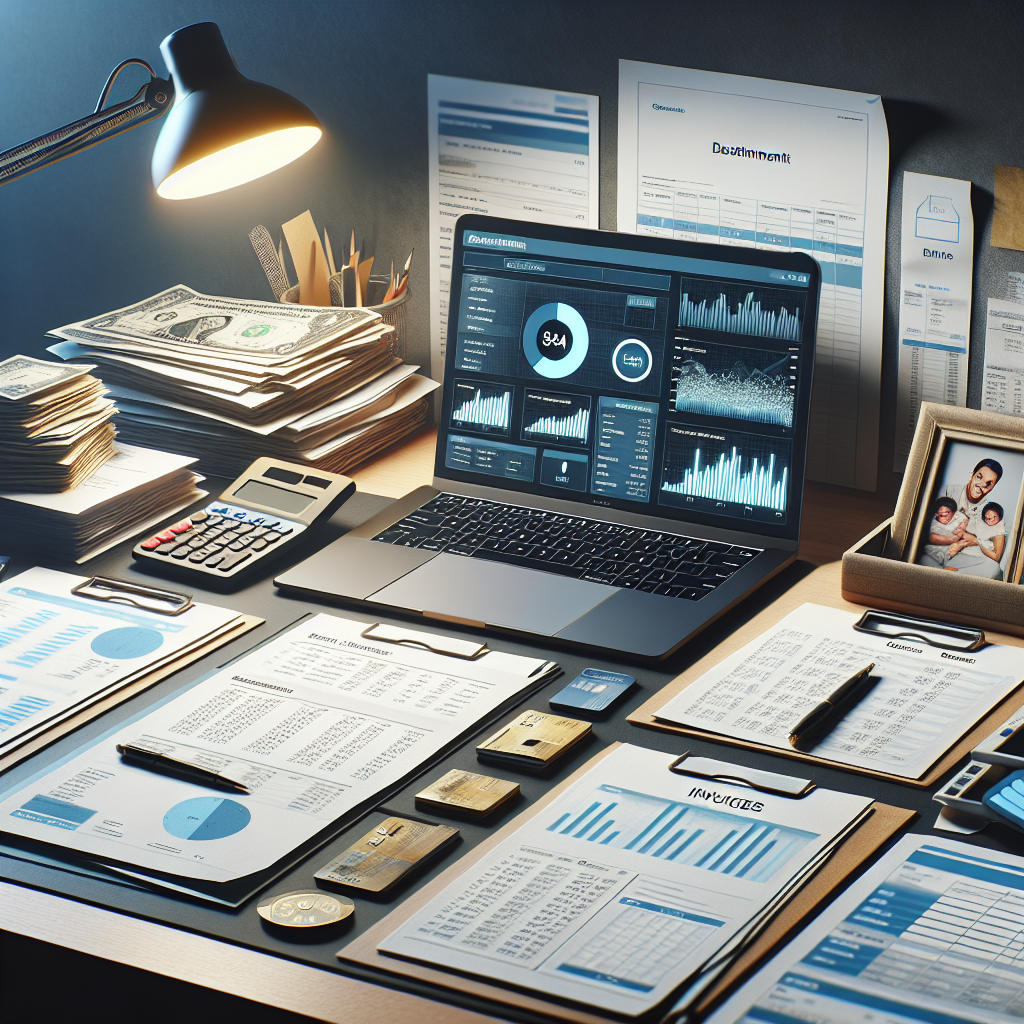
(860, 844)
(138, 595)
(820, 587)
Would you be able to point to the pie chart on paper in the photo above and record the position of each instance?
(206, 817)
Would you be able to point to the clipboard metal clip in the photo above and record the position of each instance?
(736, 774)
(150, 599)
(468, 650)
(944, 635)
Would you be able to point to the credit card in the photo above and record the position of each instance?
(594, 689)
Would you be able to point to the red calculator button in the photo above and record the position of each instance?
(153, 542)
(181, 527)
(165, 535)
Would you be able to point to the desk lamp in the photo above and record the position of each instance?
(222, 130)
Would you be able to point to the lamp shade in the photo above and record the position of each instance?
(223, 129)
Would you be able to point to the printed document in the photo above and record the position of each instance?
(924, 701)
(1003, 386)
(505, 151)
(314, 723)
(706, 157)
(932, 934)
(936, 268)
(59, 651)
(627, 885)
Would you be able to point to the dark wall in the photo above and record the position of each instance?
(90, 234)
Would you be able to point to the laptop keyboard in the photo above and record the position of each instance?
(670, 564)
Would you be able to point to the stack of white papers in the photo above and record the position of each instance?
(130, 494)
(61, 652)
(218, 378)
(634, 882)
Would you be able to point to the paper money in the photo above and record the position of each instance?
(22, 376)
(182, 318)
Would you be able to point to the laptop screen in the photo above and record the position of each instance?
(644, 374)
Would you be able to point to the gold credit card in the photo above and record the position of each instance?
(533, 740)
(386, 854)
(467, 792)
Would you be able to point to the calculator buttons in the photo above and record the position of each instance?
(200, 517)
(273, 537)
(282, 529)
(259, 544)
(231, 559)
(149, 545)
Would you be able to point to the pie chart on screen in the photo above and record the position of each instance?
(206, 817)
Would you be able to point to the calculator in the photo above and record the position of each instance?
(267, 509)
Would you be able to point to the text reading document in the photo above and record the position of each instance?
(936, 268)
(706, 157)
(627, 885)
(60, 651)
(505, 151)
(314, 723)
(924, 701)
(932, 934)
(1003, 386)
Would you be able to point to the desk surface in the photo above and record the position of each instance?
(231, 951)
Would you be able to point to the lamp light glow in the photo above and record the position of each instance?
(223, 129)
(237, 164)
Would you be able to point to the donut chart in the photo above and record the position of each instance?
(555, 340)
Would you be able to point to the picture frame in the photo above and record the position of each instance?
(974, 460)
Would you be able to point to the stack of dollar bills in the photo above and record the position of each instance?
(228, 380)
(55, 427)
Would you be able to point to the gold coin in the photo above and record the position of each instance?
(305, 909)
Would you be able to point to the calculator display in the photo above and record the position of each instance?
(273, 497)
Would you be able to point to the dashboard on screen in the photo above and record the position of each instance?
(636, 373)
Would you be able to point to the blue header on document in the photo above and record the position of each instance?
(628, 257)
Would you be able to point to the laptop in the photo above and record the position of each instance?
(620, 456)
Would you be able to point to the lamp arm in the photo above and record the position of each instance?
(149, 103)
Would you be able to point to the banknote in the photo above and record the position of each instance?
(185, 319)
(21, 376)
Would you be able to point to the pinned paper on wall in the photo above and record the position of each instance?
(1008, 218)
(936, 269)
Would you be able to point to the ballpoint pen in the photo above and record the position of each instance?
(824, 717)
(140, 757)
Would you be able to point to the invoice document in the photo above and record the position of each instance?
(936, 269)
(924, 701)
(932, 934)
(630, 883)
(506, 151)
(707, 157)
(60, 651)
(316, 722)
(1003, 387)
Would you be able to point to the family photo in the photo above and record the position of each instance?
(969, 520)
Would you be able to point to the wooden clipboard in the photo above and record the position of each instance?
(858, 846)
(820, 587)
(91, 711)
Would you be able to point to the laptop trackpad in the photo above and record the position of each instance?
(495, 593)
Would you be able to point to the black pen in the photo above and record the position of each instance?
(140, 757)
(831, 711)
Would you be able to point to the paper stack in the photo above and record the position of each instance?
(227, 380)
(55, 427)
(132, 493)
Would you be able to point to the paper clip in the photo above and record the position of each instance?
(449, 645)
(925, 631)
(723, 771)
(150, 599)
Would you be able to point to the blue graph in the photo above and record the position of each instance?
(750, 473)
(574, 426)
(710, 306)
(700, 837)
(486, 409)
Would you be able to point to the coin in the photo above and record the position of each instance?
(305, 909)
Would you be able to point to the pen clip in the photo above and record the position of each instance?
(452, 647)
(734, 774)
(150, 599)
(909, 627)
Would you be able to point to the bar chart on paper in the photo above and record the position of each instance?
(728, 844)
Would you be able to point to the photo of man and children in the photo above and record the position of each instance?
(969, 521)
